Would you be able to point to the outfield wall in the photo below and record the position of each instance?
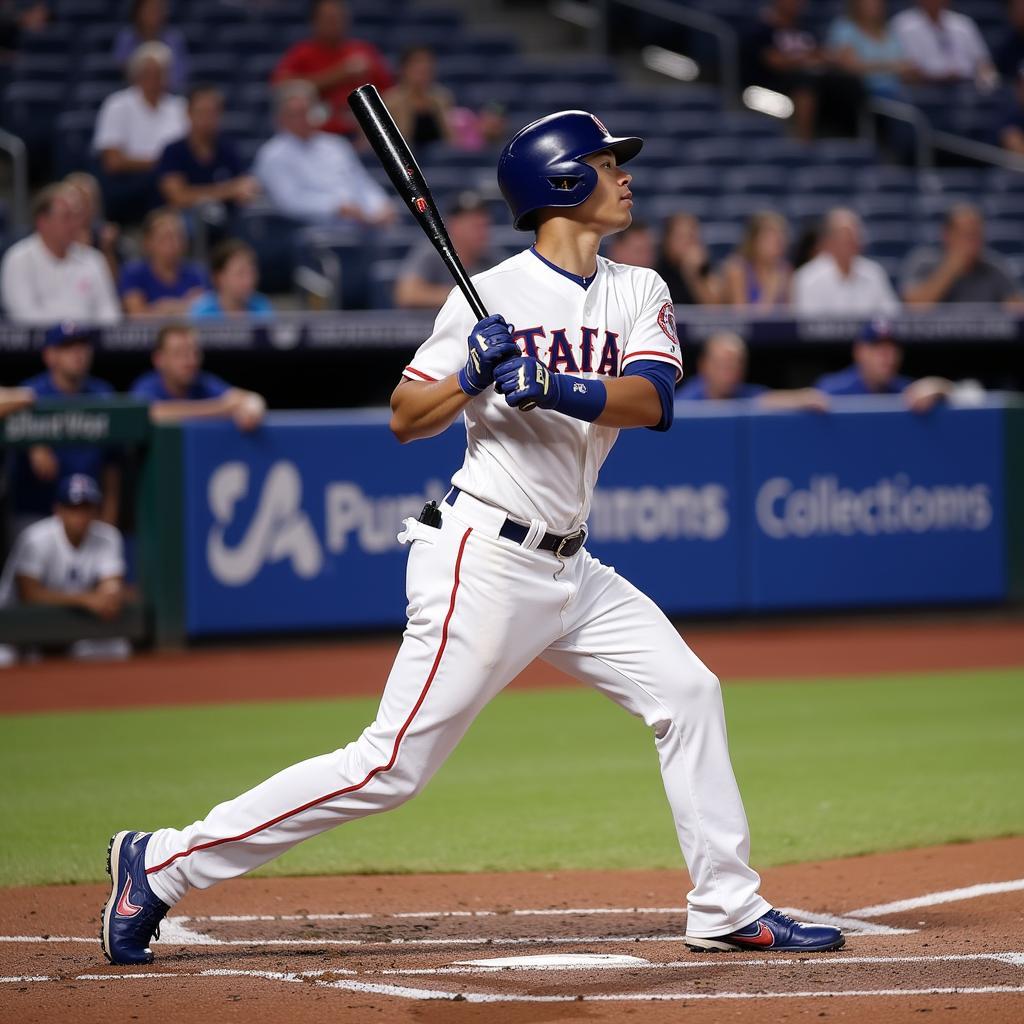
(734, 510)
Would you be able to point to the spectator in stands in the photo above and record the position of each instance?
(132, 129)
(474, 130)
(683, 262)
(16, 20)
(67, 354)
(204, 168)
(93, 230)
(421, 108)
(423, 280)
(839, 281)
(864, 44)
(163, 283)
(334, 65)
(13, 399)
(49, 276)
(942, 45)
(1010, 53)
(635, 246)
(758, 275)
(875, 371)
(179, 389)
(785, 56)
(962, 270)
(70, 560)
(148, 24)
(313, 176)
(1011, 120)
(235, 277)
(722, 371)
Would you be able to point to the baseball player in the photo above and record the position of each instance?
(499, 574)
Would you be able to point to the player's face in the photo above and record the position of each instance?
(70, 362)
(771, 243)
(151, 78)
(179, 359)
(419, 71)
(59, 226)
(609, 208)
(294, 116)
(76, 520)
(878, 361)
(966, 232)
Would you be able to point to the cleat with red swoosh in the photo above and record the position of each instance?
(774, 932)
(133, 912)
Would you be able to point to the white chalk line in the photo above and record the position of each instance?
(828, 960)
(403, 992)
(1015, 959)
(933, 899)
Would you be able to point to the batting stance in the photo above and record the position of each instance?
(499, 574)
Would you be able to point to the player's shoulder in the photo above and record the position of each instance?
(104, 536)
(512, 265)
(643, 280)
(39, 534)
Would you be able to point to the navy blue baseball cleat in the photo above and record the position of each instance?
(133, 913)
(773, 931)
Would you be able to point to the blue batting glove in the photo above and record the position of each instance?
(525, 379)
(490, 344)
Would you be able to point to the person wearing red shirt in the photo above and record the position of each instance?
(334, 64)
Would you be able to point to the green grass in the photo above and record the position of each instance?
(543, 780)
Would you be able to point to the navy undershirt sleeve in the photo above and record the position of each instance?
(663, 377)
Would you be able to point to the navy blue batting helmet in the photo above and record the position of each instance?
(542, 165)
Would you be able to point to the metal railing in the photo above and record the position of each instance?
(725, 36)
(927, 139)
(15, 149)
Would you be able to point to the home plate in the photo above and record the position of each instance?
(554, 961)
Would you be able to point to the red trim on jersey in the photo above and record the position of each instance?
(659, 355)
(410, 369)
(376, 771)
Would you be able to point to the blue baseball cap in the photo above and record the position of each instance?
(68, 331)
(78, 489)
(877, 330)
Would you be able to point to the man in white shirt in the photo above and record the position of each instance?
(48, 277)
(70, 560)
(839, 281)
(943, 45)
(314, 176)
(132, 129)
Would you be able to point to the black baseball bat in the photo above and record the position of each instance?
(396, 158)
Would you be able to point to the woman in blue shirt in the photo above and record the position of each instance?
(162, 284)
(235, 276)
(863, 44)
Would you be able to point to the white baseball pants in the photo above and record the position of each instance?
(481, 608)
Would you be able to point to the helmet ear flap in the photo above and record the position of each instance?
(579, 179)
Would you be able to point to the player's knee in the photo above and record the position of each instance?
(700, 689)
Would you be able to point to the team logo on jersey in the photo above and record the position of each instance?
(667, 322)
(597, 121)
(279, 528)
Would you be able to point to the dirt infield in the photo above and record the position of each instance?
(327, 670)
(936, 931)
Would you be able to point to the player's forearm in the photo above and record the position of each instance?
(190, 409)
(932, 288)
(631, 402)
(426, 408)
(31, 591)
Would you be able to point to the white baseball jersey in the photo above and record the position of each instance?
(44, 553)
(544, 466)
(482, 607)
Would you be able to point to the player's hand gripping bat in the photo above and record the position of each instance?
(396, 158)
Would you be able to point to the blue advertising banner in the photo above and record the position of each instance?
(876, 507)
(294, 527)
(667, 511)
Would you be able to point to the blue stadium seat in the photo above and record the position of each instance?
(56, 38)
(685, 180)
(845, 152)
(84, 11)
(883, 178)
(766, 179)
(741, 207)
(813, 205)
(102, 67)
(40, 67)
(72, 141)
(819, 178)
(219, 67)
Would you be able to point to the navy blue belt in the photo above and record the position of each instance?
(564, 546)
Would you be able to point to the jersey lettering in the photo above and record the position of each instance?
(609, 365)
(561, 358)
(589, 336)
(529, 337)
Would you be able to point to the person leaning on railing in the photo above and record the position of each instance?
(178, 389)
